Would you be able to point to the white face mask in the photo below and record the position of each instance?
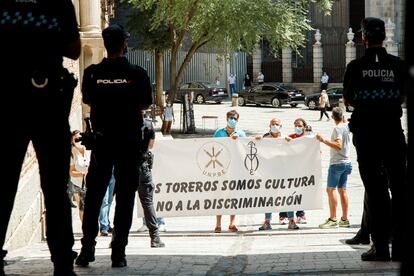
(274, 129)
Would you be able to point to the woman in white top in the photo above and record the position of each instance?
(168, 119)
(324, 104)
(79, 163)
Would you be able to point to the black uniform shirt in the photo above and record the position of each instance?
(116, 91)
(34, 33)
(373, 85)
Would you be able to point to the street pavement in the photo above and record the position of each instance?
(193, 249)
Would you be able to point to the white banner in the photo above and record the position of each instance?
(212, 176)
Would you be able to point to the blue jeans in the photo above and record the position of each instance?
(289, 215)
(232, 88)
(104, 223)
(286, 214)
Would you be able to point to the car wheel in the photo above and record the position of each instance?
(218, 102)
(293, 105)
(276, 102)
(312, 104)
(200, 99)
(241, 101)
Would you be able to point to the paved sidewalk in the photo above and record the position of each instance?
(193, 249)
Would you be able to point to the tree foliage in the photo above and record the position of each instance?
(225, 25)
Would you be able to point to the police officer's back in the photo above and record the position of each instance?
(373, 85)
(117, 92)
(36, 90)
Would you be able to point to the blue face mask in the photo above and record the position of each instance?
(298, 130)
(231, 123)
(274, 129)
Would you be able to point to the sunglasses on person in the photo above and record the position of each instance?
(233, 118)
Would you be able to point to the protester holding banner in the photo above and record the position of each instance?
(274, 132)
(339, 168)
(232, 131)
(300, 127)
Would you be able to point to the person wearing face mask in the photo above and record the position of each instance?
(231, 130)
(79, 163)
(275, 132)
(300, 127)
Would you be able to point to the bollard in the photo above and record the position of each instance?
(234, 99)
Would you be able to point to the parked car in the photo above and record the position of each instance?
(203, 92)
(276, 94)
(334, 95)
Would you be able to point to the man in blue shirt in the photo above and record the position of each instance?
(230, 130)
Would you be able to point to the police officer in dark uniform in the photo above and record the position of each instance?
(35, 90)
(373, 85)
(117, 92)
(146, 185)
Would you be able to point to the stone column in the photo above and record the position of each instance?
(317, 58)
(90, 15)
(390, 45)
(257, 62)
(287, 65)
(350, 51)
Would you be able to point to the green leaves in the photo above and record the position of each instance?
(225, 25)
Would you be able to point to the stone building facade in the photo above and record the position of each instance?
(332, 44)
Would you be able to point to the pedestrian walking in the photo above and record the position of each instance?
(323, 104)
(340, 168)
(374, 85)
(117, 93)
(35, 36)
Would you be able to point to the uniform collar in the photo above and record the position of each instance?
(375, 50)
(122, 59)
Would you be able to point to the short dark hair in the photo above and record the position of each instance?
(233, 113)
(114, 37)
(302, 120)
(374, 30)
(337, 113)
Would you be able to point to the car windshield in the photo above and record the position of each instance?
(288, 87)
(208, 84)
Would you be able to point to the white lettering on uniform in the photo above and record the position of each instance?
(384, 74)
(114, 81)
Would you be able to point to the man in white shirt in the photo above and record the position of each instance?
(324, 81)
(232, 83)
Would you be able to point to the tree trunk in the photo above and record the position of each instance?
(173, 74)
(159, 68)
